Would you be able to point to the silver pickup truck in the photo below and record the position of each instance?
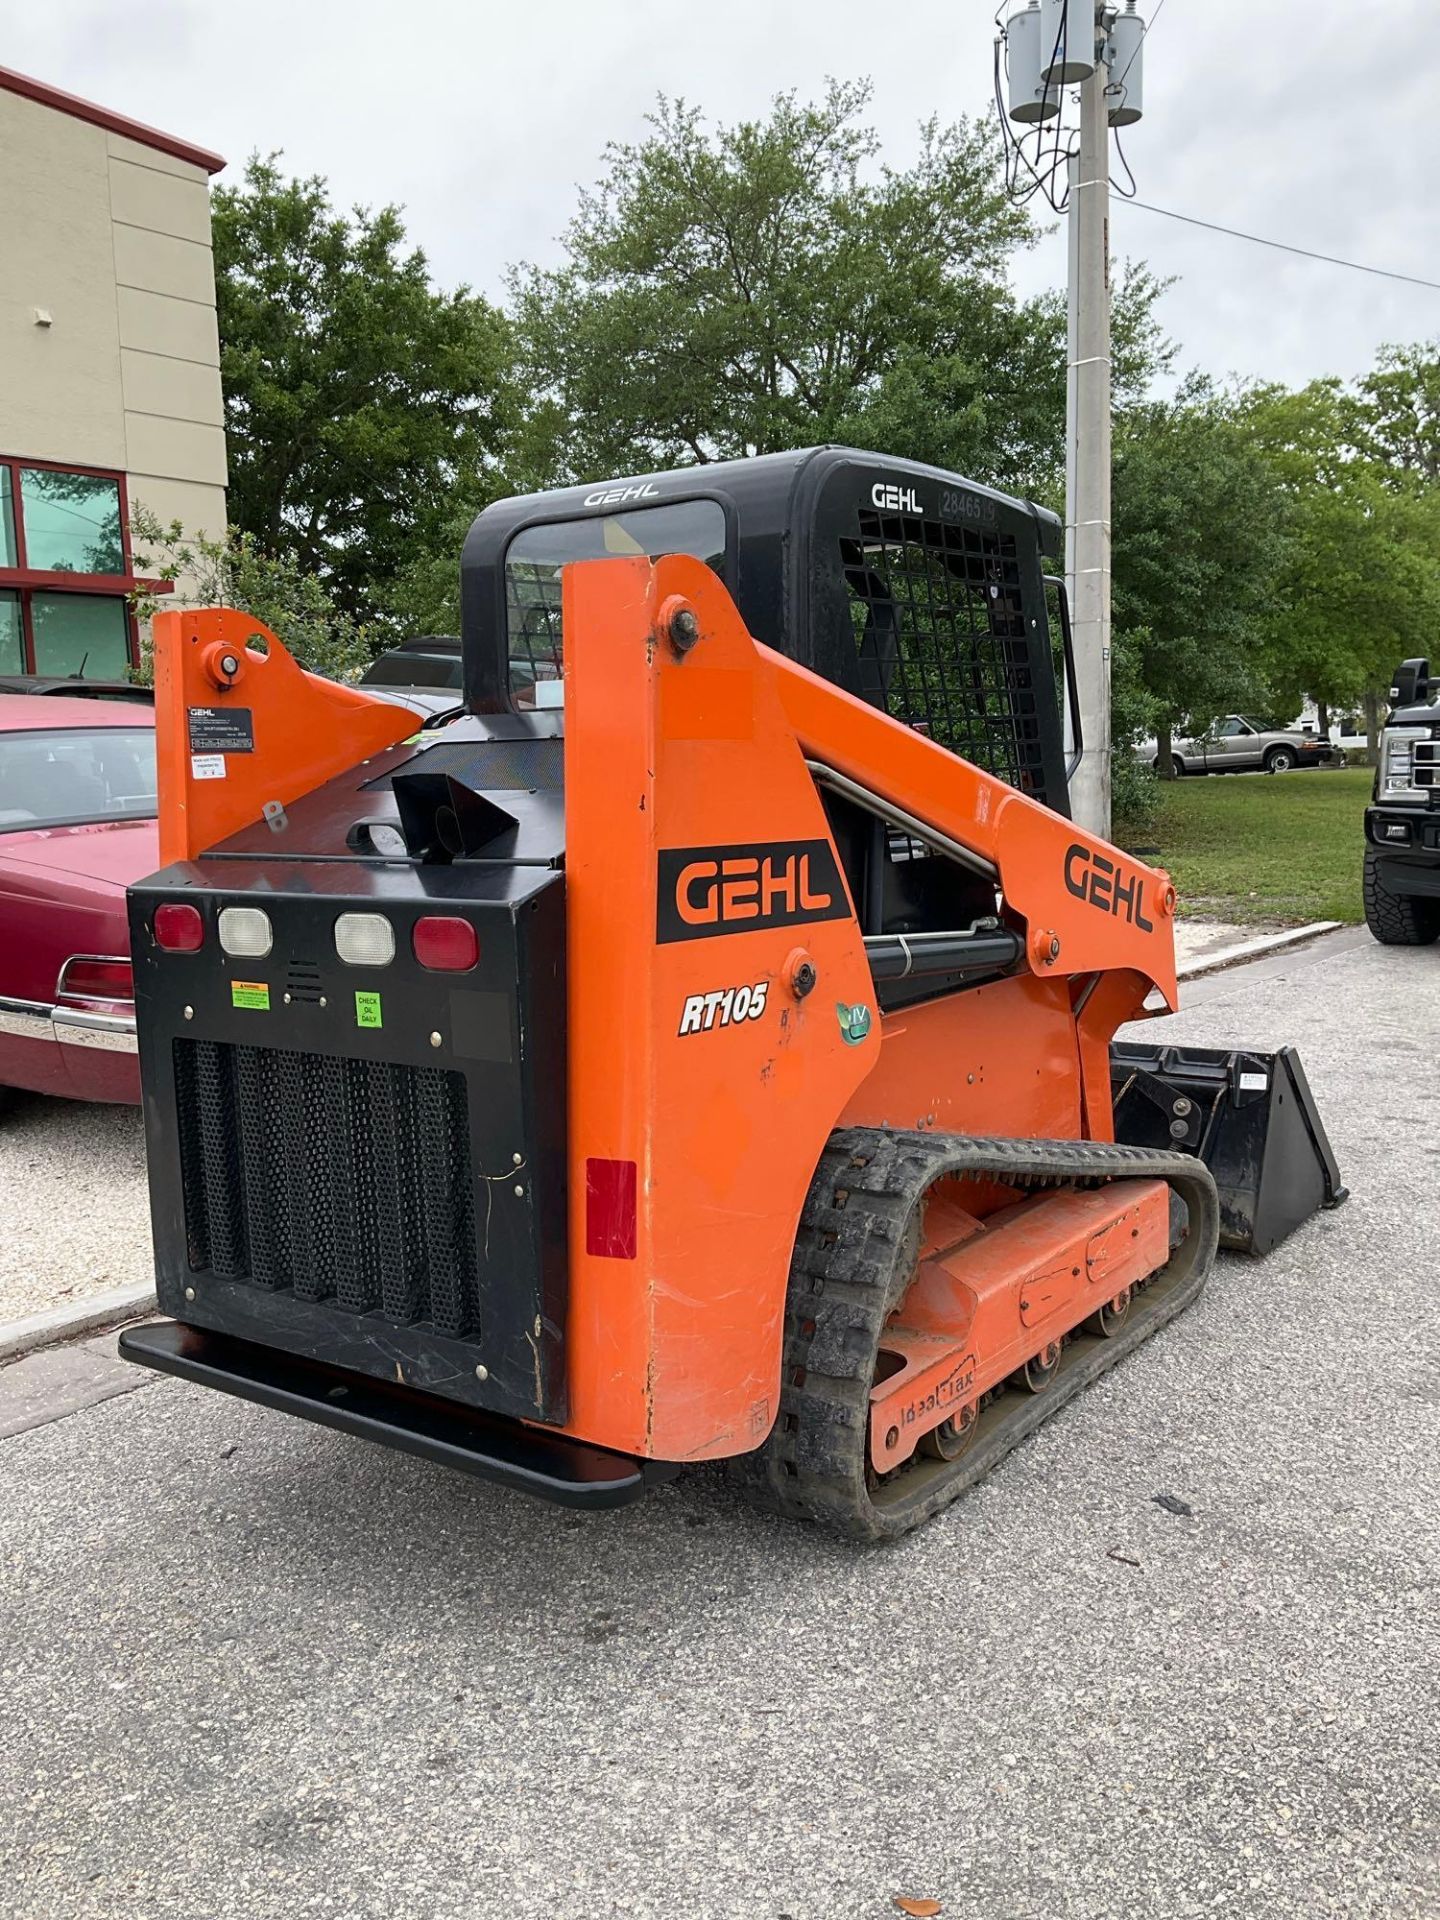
(1240, 745)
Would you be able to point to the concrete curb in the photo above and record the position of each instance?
(95, 1315)
(1255, 949)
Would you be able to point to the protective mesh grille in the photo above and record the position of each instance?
(941, 638)
(344, 1180)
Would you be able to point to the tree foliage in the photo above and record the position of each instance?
(745, 289)
(738, 289)
(1358, 584)
(1200, 528)
(358, 398)
(278, 590)
(1398, 417)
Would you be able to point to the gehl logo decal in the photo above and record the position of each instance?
(894, 499)
(1104, 883)
(707, 891)
(623, 494)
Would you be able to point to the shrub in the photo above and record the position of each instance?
(234, 572)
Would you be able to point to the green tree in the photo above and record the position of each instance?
(746, 289)
(358, 398)
(1359, 585)
(1200, 532)
(1398, 415)
(280, 592)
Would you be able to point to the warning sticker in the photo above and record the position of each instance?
(367, 1010)
(250, 993)
(222, 730)
(207, 766)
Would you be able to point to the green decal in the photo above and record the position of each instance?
(250, 993)
(854, 1021)
(367, 1010)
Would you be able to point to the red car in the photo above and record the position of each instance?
(77, 825)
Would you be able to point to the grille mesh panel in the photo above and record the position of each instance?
(343, 1180)
(941, 638)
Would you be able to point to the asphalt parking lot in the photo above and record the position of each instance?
(249, 1668)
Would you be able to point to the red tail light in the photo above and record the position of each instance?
(445, 943)
(610, 1221)
(179, 928)
(91, 978)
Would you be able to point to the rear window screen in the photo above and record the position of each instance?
(537, 554)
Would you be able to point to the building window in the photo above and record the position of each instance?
(8, 551)
(65, 571)
(12, 636)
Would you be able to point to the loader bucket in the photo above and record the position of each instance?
(1249, 1116)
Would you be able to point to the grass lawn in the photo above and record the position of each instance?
(1284, 848)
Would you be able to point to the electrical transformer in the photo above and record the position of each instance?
(1125, 93)
(1068, 34)
(1031, 100)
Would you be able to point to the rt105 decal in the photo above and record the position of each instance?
(725, 1007)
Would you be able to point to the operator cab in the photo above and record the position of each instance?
(913, 589)
(918, 592)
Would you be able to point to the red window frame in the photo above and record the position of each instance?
(26, 580)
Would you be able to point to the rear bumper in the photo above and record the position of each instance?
(72, 1026)
(69, 1053)
(550, 1466)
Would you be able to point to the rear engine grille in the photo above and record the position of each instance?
(347, 1181)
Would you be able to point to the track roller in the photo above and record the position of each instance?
(856, 1256)
(1040, 1370)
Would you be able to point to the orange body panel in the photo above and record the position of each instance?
(989, 1295)
(676, 1352)
(304, 729)
(679, 766)
(1000, 1060)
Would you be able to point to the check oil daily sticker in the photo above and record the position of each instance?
(254, 994)
(367, 1010)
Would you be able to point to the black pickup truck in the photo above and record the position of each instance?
(1402, 825)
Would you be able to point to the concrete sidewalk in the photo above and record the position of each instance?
(248, 1668)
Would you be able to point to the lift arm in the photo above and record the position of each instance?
(1089, 908)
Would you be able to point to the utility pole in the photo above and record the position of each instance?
(1049, 46)
(1087, 467)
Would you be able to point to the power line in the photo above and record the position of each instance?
(1281, 246)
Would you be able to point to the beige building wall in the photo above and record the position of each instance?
(109, 354)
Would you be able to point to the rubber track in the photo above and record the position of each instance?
(1397, 919)
(854, 1256)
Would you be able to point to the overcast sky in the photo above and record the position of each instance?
(1310, 121)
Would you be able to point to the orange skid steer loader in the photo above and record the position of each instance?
(699, 1047)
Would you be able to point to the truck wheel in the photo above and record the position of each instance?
(1280, 759)
(1397, 919)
